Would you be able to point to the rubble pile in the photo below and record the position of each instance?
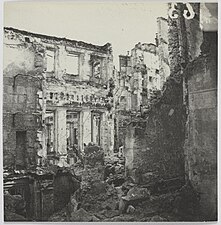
(95, 200)
(14, 207)
(97, 190)
(114, 172)
(102, 197)
(96, 193)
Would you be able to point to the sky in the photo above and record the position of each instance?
(119, 23)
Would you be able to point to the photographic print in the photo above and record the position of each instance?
(110, 111)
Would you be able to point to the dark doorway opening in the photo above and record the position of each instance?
(20, 149)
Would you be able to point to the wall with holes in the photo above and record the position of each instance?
(37, 78)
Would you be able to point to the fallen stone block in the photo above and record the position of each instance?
(109, 204)
(81, 215)
(110, 213)
(130, 209)
(95, 219)
(137, 193)
(120, 192)
(100, 215)
(129, 183)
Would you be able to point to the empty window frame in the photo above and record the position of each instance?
(50, 60)
(49, 122)
(97, 64)
(72, 129)
(122, 99)
(96, 69)
(124, 61)
(95, 128)
(72, 64)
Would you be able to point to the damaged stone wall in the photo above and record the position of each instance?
(50, 84)
(201, 141)
(201, 98)
(42, 197)
(180, 138)
(163, 53)
(21, 83)
(123, 118)
(84, 92)
(154, 144)
(145, 78)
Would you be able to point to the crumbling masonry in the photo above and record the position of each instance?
(84, 142)
(175, 141)
(56, 98)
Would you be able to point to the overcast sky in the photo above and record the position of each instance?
(121, 24)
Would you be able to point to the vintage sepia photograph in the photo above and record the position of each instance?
(109, 111)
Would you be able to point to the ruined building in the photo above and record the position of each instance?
(174, 144)
(139, 76)
(57, 99)
(162, 46)
(145, 70)
(201, 74)
(159, 112)
(145, 79)
(142, 74)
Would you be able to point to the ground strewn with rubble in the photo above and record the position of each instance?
(85, 142)
(99, 192)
